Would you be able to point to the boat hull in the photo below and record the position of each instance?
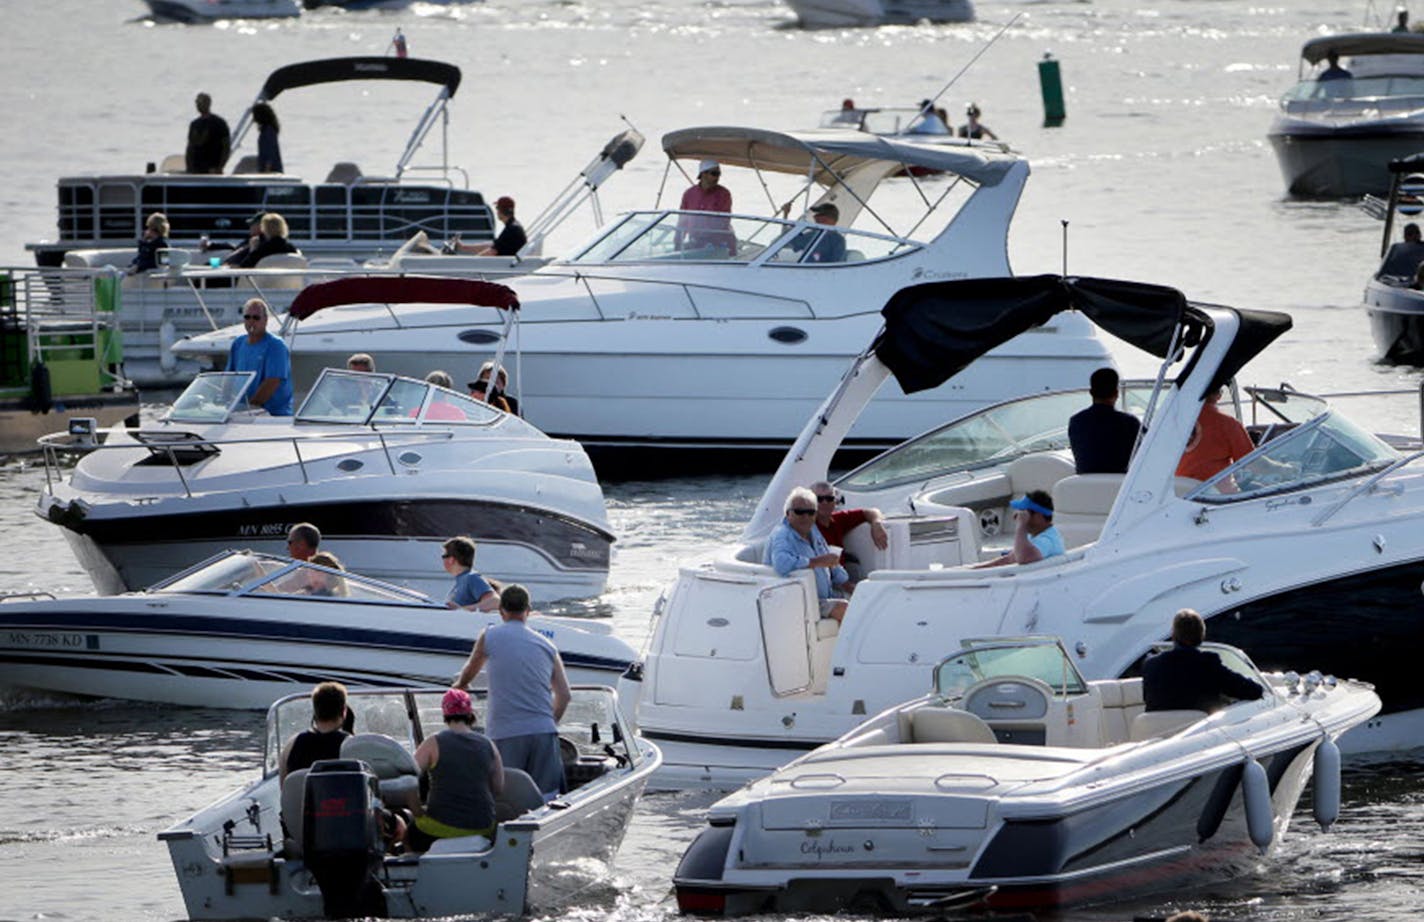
(842, 13)
(1317, 164)
(1396, 323)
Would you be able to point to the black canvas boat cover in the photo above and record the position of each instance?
(336, 70)
(405, 289)
(934, 331)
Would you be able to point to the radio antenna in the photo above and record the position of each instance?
(977, 55)
(1065, 246)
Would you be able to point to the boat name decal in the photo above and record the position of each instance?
(822, 849)
(870, 810)
(51, 639)
(262, 530)
(929, 275)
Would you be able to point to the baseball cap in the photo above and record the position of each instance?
(457, 703)
(708, 165)
(826, 208)
(1029, 505)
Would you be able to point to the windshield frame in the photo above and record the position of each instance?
(266, 569)
(1068, 681)
(196, 389)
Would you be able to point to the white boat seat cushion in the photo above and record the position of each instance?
(174, 163)
(827, 628)
(947, 725)
(1038, 471)
(293, 796)
(520, 795)
(1150, 724)
(1121, 702)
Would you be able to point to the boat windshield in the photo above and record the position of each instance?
(591, 723)
(992, 436)
(1358, 88)
(1327, 448)
(1043, 659)
(360, 397)
(658, 236)
(223, 574)
(212, 397)
(248, 573)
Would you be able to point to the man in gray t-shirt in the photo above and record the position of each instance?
(528, 691)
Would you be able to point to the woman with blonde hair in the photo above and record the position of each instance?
(155, 238)
(274, 240)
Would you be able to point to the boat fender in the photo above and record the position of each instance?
(1256, 796)
(41, 390)
(1325, 799)
(167, 336)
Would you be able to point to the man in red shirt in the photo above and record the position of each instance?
(1218, 440)
(834, 524)
(699, 231)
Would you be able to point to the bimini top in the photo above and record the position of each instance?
(836, 152)
(409, 289)
(933, 331)
(1356, 44)
(337, 70)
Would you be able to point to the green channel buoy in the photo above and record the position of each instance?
(1050, 85)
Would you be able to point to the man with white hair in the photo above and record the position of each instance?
(706, 231)
(796, 544)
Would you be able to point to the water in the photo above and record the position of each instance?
(1162, 171)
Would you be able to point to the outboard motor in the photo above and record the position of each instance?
(341, 837)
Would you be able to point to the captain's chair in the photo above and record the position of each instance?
(520, 795)
(393, 765)
(293, 798)
(344, 172)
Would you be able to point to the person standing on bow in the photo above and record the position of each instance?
(268, 356)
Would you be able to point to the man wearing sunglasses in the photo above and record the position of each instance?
(796, 544)
(834, 524)
(268, 356)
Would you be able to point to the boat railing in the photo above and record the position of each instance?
(31, 596)
(59, 444)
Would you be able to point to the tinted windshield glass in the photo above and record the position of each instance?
(686, 235)
(343, 396)
(224, 574)
(1045, 661)
(211, 397)
(1357, 88)
(310, 582)
(1325, 449)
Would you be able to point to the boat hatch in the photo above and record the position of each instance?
(178, 449)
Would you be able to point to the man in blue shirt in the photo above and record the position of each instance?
(471, 590)
(796, 544)
(831, 247)
(267, 355)
(1035, 538)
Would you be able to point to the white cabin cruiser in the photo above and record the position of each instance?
(641, 340)
(1334, 137)
(386, 467)
(266, 851)
(1395, 307)
(1296, 553)
(1016, 784)
(242, 629)
(836, 14)
(349, 214)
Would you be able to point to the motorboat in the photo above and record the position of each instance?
(192, 292)
(205, 11)
(272, 850)
(1305, 553)
(243, 628)
(350, 214)
(381, 464)
(1334, 137)
(637, 342)
(1392, 302)
(834, 14)
(910, 123)
(1017, 784)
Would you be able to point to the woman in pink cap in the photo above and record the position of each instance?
(465, 776)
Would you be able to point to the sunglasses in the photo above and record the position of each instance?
(803, 511)
(825, 499)
(254, 316)
(447, 556)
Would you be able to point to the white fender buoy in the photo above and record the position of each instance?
(1325, 796)
(1256, 796)
(167, 336)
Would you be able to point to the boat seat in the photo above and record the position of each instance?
(751, 553)
(947, 725)
(174, 163)
(854, 256)
(520, 795)
(1081, 503)
(1038, 471)
(293, 795)
(1150, 724)
(1120, 703)
(394, 767)
(344, 172)
(290, 281)
(248, 164)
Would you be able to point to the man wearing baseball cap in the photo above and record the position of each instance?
(466, 774)
(831, 245)
(705, 231)
(1035, 538)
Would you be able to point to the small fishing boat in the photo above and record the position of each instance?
(1016, 784)
(827, 14)
(242, 629)
(312, 847)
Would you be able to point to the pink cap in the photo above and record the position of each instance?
(457, 703)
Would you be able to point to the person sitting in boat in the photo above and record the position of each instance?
(973, 128)
(928, 122)
(239, 254)
(834, 524)
(155, 238)
(324, 739)
(360, 361)
(303, 539)
(209, 140)
(268, 356)
(706, 231)
(1218, 440)
(439, 408)
(1035, 537)
(466, 774)
(471, 591)
(510, 240)
(480, 390)
(1401, 21)
(322, 584)
(797, 544)
(269, 151)
(848, 114)
(273, 240)
(831, 247)
(1188, 678)
(1404, 258)
(1102, 437)
(1334, 71)
(528, 691)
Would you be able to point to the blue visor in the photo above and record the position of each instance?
(1023, 502)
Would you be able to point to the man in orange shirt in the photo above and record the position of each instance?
(1218, 441)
